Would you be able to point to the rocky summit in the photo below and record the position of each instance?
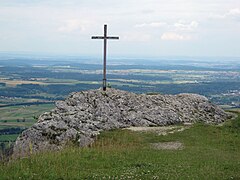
(83, 115)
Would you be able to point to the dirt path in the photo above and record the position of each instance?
(163, 130)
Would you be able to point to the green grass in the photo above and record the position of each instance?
(9, 137)
(210, 152)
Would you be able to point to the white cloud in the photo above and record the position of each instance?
(136, 37)
(171, 36)
(153, 24)
(73, 25)
(183, 26)
(232, 13)
(217, 16)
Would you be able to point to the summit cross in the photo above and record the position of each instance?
(105, 38)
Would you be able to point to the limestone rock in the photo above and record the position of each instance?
(83, 115)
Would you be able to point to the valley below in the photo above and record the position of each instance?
(30, 87)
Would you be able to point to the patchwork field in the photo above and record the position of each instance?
(27, 113)
(19, 117)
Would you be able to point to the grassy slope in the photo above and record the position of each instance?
(211, 152)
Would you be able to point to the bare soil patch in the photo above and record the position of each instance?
(163, 130)
(167, 146)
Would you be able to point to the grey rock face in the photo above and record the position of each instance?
(83, 115)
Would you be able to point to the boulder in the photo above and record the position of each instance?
(83, 115)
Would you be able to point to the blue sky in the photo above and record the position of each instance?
(151, 28)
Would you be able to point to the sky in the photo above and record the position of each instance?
(147, 28)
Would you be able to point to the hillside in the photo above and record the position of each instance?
(209, 152)
(83, 115)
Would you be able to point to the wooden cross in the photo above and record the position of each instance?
(105, 37)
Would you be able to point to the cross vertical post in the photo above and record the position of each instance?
(105, 59)
(105, 38)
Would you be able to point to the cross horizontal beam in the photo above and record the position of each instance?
(102, 37)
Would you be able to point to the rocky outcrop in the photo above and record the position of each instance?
(83, 115)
